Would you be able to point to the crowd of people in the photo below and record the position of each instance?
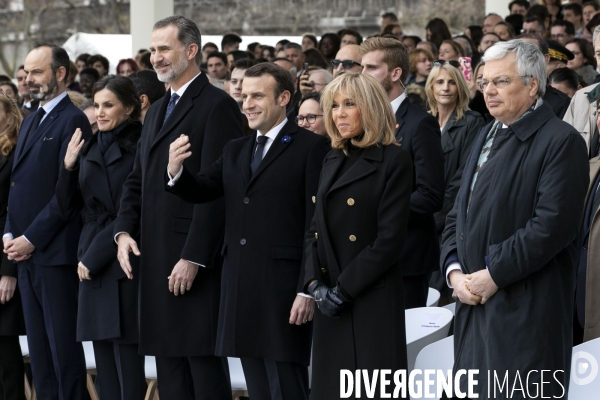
(200, 203)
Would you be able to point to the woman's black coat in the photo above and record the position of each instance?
(355, 239)
(108, 302)
(11, 313)
(457, 139)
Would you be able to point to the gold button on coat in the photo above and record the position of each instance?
(314, 199)
(316, 235)
(352, 238)
(350, 201)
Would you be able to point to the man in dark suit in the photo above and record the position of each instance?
(178, 316)
(269, 181)
(43, 243)
(386, 60)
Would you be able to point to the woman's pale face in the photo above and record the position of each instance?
(578, 60)
(424, 66)
(310, 108)
(110, 112)
(445, 90)
(307, 43)
(125, 69)
(447, 52)
(346, 116)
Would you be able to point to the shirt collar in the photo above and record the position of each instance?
(49, 106)
(272, 134)
(185, 86)
(397, 102)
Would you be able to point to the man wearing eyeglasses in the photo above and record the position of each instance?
(347, 59)
(386, 60)
(510, 239)
(562, 31)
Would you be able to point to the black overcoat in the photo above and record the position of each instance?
(524, 216)
(11, 313)
(268, 214)
(355, 238)
(457, 139)
(108, 306)
(419, 133)
(171, 229)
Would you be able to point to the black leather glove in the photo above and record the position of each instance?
(330, 301)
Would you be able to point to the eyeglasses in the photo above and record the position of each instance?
(439, 63)
(347, 64)
(500, 82)
(310, 118)
(558, 36)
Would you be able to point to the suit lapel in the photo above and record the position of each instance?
(184, 105)
(278, 146)
(331, 166)
(400, 113)
(246, 157)
(360, 169)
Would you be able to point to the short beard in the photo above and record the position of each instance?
(175, 72)
(48, 94)
(387, 83)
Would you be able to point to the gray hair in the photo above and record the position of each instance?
(328, 76)
(596, 35)
(467, 47)
(188, 32)
(530, 60)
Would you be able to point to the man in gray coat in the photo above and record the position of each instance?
(511, 238)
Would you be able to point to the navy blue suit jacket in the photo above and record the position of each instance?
(32, 206)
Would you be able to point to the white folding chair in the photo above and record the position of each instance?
(585, 375)
(424, 325)
(436, 356)
(238, 380)
(433, 297)
(151, 377)
(451, 307)
(90, 366)
(29, 389)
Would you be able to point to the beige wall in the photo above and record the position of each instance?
(143, 14)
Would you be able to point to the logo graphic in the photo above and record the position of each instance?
(584, 368)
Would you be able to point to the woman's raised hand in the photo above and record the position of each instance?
(73, 150)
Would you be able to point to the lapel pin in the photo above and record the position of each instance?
(286, 139)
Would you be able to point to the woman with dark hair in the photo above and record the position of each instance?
(91, 183)
(583, 62)
(475, 33)
(329, 45)
(314, 58)
(393, 29)
(309, 41)
(127, 66)
(12, 323)
(437, 31)
(268, 53)
(310, 114)
(566, 80)
(411, 42)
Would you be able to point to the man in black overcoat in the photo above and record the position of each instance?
(180, 265)
(509, 248)
(386, 60)
(269, 180)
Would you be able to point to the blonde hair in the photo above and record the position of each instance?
(10, 131)
(462, 103)
(395, 53)
(376, 113)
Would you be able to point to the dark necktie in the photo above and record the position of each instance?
(171, 106)
(258, 152)
(39, 114)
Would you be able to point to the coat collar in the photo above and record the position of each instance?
(452, 122)
(530, 124)
(400, 115)
(362, 167)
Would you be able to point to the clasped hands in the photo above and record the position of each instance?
(330, 301)
(472, 289)
(18, 249)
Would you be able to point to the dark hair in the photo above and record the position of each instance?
(292, 45)
(270, 49)
(516, 21)
(586, 50)
(283, 78)
(125, 91)
(314, 57)
(457, 48)
(569, 27)
(542, 43)
(60, 58)
(415, 39)
(538, 11)
(242, 63)
(283, 42)
(312, 38)
(439, 31)
(134, 66)
(566, 76)
(509, 27)
(316, 96)
(476, 34)
(575, 7)
(146, 82)
(217, 54)
(187, 32)
(252, 46)
(90, 71)
(229, 39)
(390, 15)
(210, 44)
(537, 20)
(239, 54)
(591, 3)
(523, 3)
(145, 59)
(594, 22)
(351, 32)
(83, 57)
(98, 57)
(334, 38)
(142, 51)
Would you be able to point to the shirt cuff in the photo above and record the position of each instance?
(8, 236)
(25, 237)
(305, 295)
(117, 235)
(173, 181)
(452, 267)
(191, 262)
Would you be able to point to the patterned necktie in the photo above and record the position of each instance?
(39, 114)
(258, 152)
(171, 106)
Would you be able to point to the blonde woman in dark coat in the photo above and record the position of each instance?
(352, 248)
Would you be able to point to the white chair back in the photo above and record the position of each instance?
(585, 375)
(433, 297)
(451, 307)
(424, 325)
(24, 345)
(436, 356)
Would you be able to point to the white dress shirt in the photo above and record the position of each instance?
(397, 102)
